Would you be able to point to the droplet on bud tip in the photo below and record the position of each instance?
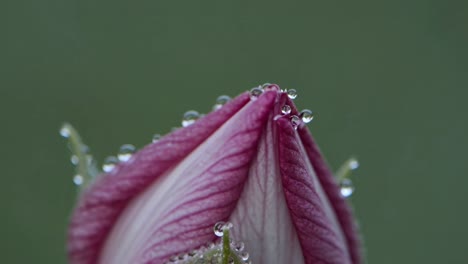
(295, 121)
(286, 109)
(307, 116)
(292, 93)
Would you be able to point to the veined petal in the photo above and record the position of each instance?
(320, 234)
(262, 219)
(101, 205)
(177, 211)
(342, 209)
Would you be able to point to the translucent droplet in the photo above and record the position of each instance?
(156, 137)
(78, 180)
(231, 260)
(292, 93)
(346, 188)
(126, 151)
(219, 229)
(222, 100)
(239, 246)
(85, 149)
(65, 131)
(256, 92)
(295, 121)
(353, 164)
(189, 118)
(244, 256)
(286, 109)
(109, 163)
(74, 159)
(307, 116)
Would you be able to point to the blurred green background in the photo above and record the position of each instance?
(387, 79)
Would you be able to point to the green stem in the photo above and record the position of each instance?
(345, 170)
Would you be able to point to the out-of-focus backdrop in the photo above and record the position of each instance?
(387, 79)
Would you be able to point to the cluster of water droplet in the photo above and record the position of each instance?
(305, 116)
(212, 253)
(125, 154)
(346, 184)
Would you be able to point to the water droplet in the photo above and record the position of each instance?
(286, 109)
(156, 137)
(346, 188)
(244, 256)
(74, 159)
(218, 229)
(307, 116)
(85, 149)
(109, 163)
(353, 164)
(292, 93)
(189, 118)
(239, 246)
(222, 100)
(231, 260)
(126, 151)
(295, 121)
(65, 131)
(78, 180)
(256, 92)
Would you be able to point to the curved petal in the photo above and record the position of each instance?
(340, 206)
(262, 219)
(177, 212)
(101, 205)
(316, 224)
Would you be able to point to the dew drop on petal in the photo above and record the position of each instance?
(286, 109)
(307, 115)
(190, 117)
(292, 93)
(109, 163)
(78, 180)
(65, 131)
(244, 256)
(126, 151)
(256, 92)
(156, 137)
(346, 188)
(239, 246)
(295, 121)
(222, 100)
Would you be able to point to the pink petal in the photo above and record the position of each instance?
(201, 193)
(317, 225)
(262, 219)
(340, 206)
